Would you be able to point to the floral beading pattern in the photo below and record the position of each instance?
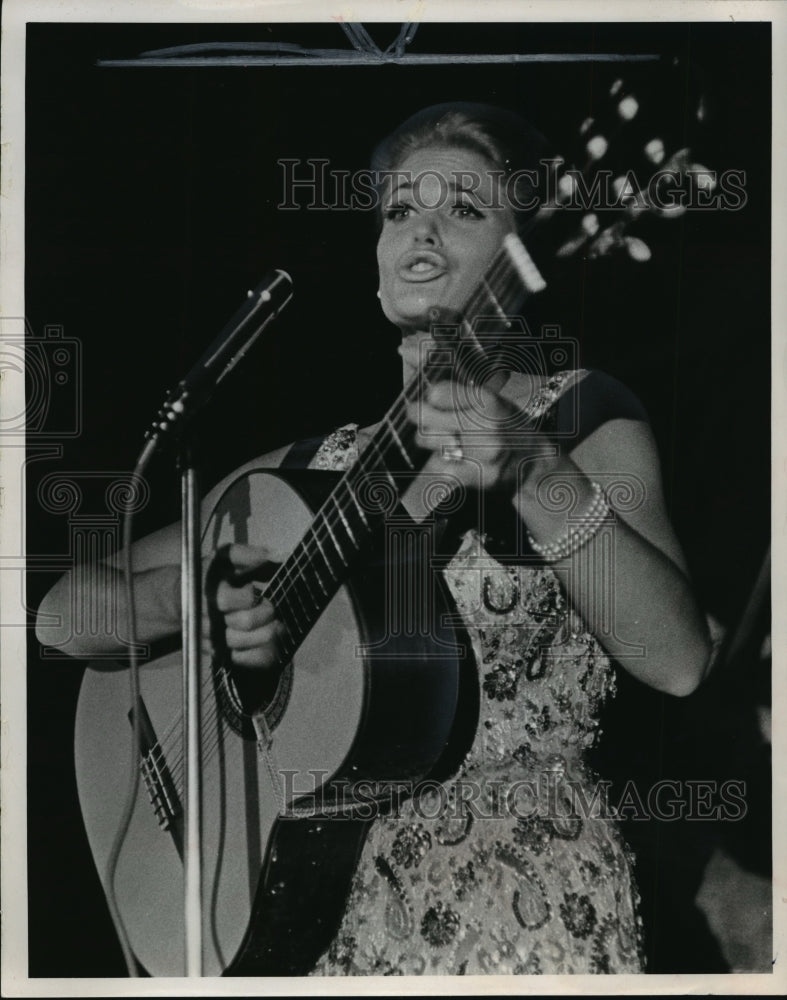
(506, 875)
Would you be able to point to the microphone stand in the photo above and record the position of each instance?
(191, 614)
(262, 305)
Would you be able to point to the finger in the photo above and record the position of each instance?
(250, 618)
(474, 400)
(245, 556)
(264, 658)
(268, 635)
(463, 473)
(424, 415)
(460, 396)
(230, 598)
(444, 395)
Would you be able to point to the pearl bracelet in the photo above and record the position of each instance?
(577, 534)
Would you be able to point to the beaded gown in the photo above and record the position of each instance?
(512, 866)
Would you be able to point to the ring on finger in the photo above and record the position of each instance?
(453, 452)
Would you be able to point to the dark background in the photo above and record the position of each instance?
(151, 207)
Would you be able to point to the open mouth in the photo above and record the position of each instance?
(422, 265)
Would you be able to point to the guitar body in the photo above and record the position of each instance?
(381, 689)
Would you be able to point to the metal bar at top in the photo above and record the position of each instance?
(355, 58)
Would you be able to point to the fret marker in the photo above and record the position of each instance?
(345, 522)
(358, 505)
(335, 542)
(495, 303)
(319, 581)
(325, 558)
(399, 443)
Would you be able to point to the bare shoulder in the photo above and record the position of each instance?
(609, 428)
(617, 448)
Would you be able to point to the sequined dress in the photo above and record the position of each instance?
(513, 867)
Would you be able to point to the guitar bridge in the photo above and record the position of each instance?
(160, 785)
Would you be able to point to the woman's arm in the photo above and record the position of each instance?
(95, 595)
(85, 613)
(634, 594)
(630, 582)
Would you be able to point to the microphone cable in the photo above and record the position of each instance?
(136, 738)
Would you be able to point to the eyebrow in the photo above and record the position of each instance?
(406, 185)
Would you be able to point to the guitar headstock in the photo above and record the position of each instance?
(624, 169)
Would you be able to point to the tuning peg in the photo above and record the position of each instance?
(681, 163)
(612, 238)
(616, 87)
(566, 187)
(654, 151)
(628, 108)
(704, 178)
(588, 228)
(590, 224)
(606, 241)
(586, 125)
(570, 247)
(637, 248)
(622, 189)
(628, 197)
(596, 147)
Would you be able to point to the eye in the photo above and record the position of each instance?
(395, 213)
(466, 210)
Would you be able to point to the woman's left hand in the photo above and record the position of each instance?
(483, 439)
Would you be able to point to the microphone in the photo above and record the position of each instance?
(262, 305)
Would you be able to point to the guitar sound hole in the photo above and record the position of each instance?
(244, 693)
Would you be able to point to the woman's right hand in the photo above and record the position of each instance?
(252, 632)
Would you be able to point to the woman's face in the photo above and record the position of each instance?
(443, 222)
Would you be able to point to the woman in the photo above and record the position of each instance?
(514, 867)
